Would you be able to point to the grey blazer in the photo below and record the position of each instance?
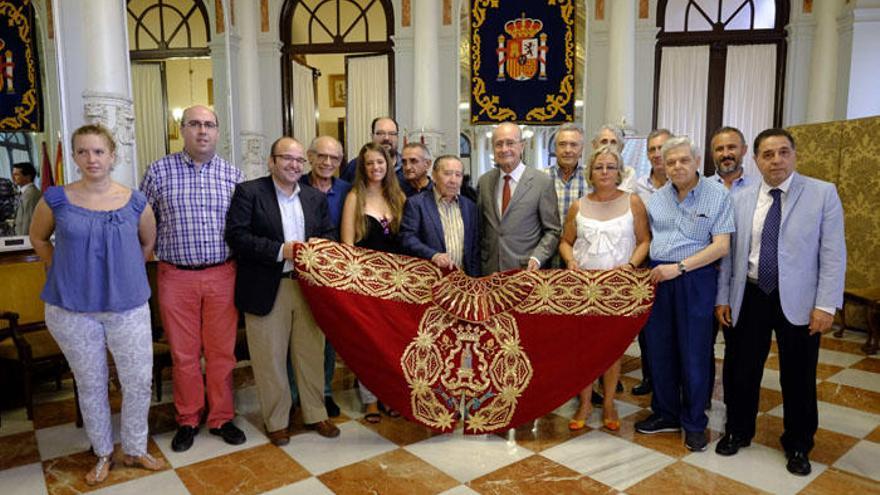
(812, 250)
(529, 228)
(25, 212)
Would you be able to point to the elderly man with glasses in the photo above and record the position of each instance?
(325, 157)
(190, 192)
(267, 218)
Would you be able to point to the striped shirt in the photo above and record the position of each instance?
(453, 228)
(190, 207)
(681, 229)
(567, 192)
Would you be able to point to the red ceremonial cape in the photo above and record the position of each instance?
(495, 351)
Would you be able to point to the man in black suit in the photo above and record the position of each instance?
(441, 225)
(267, 217)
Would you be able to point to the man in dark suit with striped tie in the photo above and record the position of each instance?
(441, 225)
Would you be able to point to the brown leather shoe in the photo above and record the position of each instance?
(279, 438)
(324, 428)
(290, 419)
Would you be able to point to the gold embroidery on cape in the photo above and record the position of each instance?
(400, 278)
(475, 299)
(599, 293)
(366, 272)
(457, 369)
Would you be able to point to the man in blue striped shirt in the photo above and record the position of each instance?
(691, 221)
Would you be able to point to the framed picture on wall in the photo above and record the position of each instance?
(210, 91)
(337, 90)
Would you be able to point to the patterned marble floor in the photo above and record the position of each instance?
(50, 455)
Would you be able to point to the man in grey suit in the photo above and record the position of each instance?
(785, 271)
(520, 221)
(23, 174)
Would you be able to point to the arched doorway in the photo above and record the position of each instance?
(171, 69)
(326, 35)
(730, 52)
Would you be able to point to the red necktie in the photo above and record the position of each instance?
(505, 194)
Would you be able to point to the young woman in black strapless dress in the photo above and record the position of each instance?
(371, 219)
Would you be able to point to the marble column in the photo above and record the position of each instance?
(426, 78)
(250, 133)
(823, 63)
(620, 100)
(224, 67)
(862, 96)
(95, 78)
(797, 69)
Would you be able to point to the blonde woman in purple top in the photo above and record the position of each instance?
(96, 294)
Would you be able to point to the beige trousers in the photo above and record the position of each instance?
(288, 332)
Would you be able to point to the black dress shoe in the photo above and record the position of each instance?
(183, 439)
(798, 463)
(331, 406)
(596, 398)
(230, 433)
(643, 388)
(730, 444)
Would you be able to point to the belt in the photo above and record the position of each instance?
(196, 268)
(291, 275)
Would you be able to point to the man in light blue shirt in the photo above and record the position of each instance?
(691, 221)
(728, 149)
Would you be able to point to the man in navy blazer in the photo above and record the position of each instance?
(441, 225)
(785, 272)
(266, 218)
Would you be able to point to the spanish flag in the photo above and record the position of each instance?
(46, 170)
(59, 166)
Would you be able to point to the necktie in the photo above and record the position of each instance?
(505, 194)
(768, 270)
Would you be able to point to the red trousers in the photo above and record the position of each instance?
(199, 315)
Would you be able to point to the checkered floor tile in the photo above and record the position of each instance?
(49, 454)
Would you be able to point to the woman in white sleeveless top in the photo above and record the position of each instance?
(607, 228)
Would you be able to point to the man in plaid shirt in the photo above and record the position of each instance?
(568, 173)
(190, 192)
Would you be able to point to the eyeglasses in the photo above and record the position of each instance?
(384, 134)
(324, 157)
(290, 158)
(207, 124)
(510, 143)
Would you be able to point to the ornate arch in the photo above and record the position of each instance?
(183, 29)
(727, 22)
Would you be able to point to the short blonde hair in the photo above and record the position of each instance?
(94, 130)
(605, 149)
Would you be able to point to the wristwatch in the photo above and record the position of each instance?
(681, 268)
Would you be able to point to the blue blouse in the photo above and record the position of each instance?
(98, 264)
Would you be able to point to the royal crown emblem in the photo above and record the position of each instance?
(525, 53)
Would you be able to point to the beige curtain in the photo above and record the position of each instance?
(749, 88)
(366, 98)
(150, 115)
(684, 86)
(304, 104)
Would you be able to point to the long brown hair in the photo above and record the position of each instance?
(391, 191)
